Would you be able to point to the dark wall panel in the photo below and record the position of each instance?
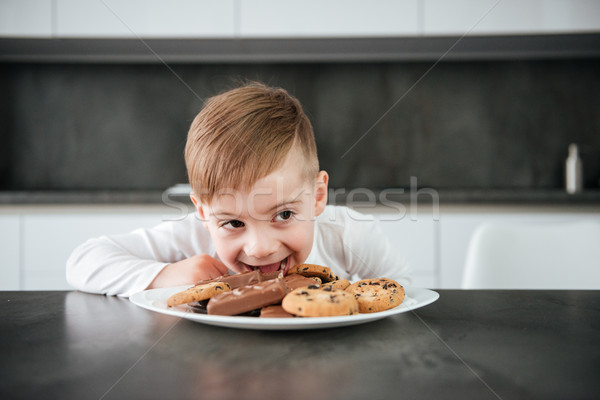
(501, 124)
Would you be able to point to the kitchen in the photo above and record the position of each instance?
(461, 112)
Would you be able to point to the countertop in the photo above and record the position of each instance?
(336, 196)
(467, 345)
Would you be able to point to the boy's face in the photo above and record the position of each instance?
(270, 227)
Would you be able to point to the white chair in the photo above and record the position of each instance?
(538, 255)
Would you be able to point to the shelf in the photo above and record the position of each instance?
(300, 50)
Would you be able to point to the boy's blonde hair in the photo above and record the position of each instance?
(243, 135)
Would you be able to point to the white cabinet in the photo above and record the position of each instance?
(26, 18)
(49, 239)
(334, 18)
(493, 17)
(145, 18)
(416, 239)
(35, 242)
(456, 228)
(293, 19)
(10, 233)
(359, 18)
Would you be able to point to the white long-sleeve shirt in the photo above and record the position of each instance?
(351, 244)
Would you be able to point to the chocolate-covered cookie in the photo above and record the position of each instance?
(247, 298)
(274, 311)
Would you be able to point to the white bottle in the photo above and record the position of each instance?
(573, 173)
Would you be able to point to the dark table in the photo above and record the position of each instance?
(467, 345)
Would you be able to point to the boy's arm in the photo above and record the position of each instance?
(191, 270)
(162, 256)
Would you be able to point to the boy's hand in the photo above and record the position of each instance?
(189, 271)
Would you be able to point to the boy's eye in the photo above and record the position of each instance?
(233, 224)
(284, 215)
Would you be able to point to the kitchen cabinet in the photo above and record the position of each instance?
(415, 18)
(416, 240)
(26, 18)
(145, 18)
(49, 239)
(324, 19)
(509, 17)
(458, 224)
(36, 242)
(264, 19)
(39, 240)
(10, 234)
(288, 31)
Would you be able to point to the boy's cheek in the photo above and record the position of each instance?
(226, 255)
(302, 238)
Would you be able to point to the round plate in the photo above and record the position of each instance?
(156, 300)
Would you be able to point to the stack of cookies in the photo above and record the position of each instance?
(307, 291)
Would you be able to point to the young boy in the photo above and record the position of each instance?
(261, 204)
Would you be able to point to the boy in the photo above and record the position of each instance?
(261, 204)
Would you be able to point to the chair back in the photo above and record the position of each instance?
(564, 255)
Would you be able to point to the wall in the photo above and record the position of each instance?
(483, 124)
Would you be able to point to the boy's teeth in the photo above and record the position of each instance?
(282, 268)
(272, 267)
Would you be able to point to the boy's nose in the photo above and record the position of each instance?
(260, 245)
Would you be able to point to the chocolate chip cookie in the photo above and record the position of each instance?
(375, 295)
(313, 270)
(198, 292)
(319, 302)
(338, 284)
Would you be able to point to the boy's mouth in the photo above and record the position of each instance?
(278, 266)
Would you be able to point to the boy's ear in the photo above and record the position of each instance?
(321, 192)
(198, 206)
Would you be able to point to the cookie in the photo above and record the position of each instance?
(313, 270)
(319, 302)
(338, 284)
(198, 293)
(375, 295)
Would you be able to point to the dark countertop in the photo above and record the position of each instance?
(467, 345)
(336, 196)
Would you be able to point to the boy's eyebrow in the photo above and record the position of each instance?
(285, 203)
(291, 201)
(219, 214)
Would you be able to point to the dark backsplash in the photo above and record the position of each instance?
(496, 125)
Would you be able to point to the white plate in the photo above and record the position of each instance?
(156, 300)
